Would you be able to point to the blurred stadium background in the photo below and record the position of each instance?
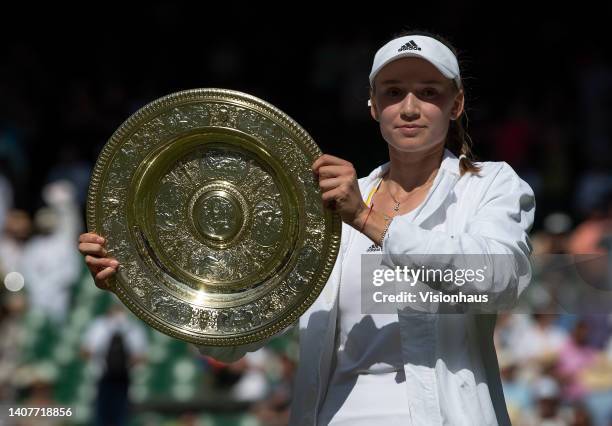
(539, 96)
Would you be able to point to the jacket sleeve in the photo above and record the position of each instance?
(234, 353)
(497, 232)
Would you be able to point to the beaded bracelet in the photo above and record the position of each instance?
(388, 219)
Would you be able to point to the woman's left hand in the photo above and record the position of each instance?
(338, 183)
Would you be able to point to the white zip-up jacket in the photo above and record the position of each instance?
(452, 375)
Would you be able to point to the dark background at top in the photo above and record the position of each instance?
(67, 80)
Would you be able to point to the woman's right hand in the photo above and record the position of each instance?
(101, 267)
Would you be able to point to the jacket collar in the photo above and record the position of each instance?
(450, 163)
(443, 184)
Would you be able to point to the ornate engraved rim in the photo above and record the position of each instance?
(212, 94)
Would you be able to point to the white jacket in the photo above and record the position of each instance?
(452, 375)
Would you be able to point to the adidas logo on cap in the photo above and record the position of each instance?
(411, 45)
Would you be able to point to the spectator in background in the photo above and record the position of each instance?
(252, 385)
(589, 236)
(12, 310)
(274, 410)
(114, 344)
(48, 279)
(547, 411)
(519, 398)
(590, 244)
(72, 168)
(542, 341)
(16, 233)
(244, 380)
(579, 371)
(574, 357)
(553, 238)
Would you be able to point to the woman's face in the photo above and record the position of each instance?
(412, 92)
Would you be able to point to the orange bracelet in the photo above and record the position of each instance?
(366, 219)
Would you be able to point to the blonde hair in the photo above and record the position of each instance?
(458, 141)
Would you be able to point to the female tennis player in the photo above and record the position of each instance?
(411, 367)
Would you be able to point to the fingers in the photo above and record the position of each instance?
(100, 266)
(327, 159)
(92, 249)
(338, 193)
(335, 170)
(98, 262)
(90, 237)
(331, 183)
(101, 279)
(105, 274)
(332, 189)
(92, 244)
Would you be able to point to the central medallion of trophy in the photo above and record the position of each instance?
(218, 213)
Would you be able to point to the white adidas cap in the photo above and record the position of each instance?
(419, 46)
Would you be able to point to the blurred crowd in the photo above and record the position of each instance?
(64, 344)
(555, 358)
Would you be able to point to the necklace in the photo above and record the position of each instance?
(397, 203)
